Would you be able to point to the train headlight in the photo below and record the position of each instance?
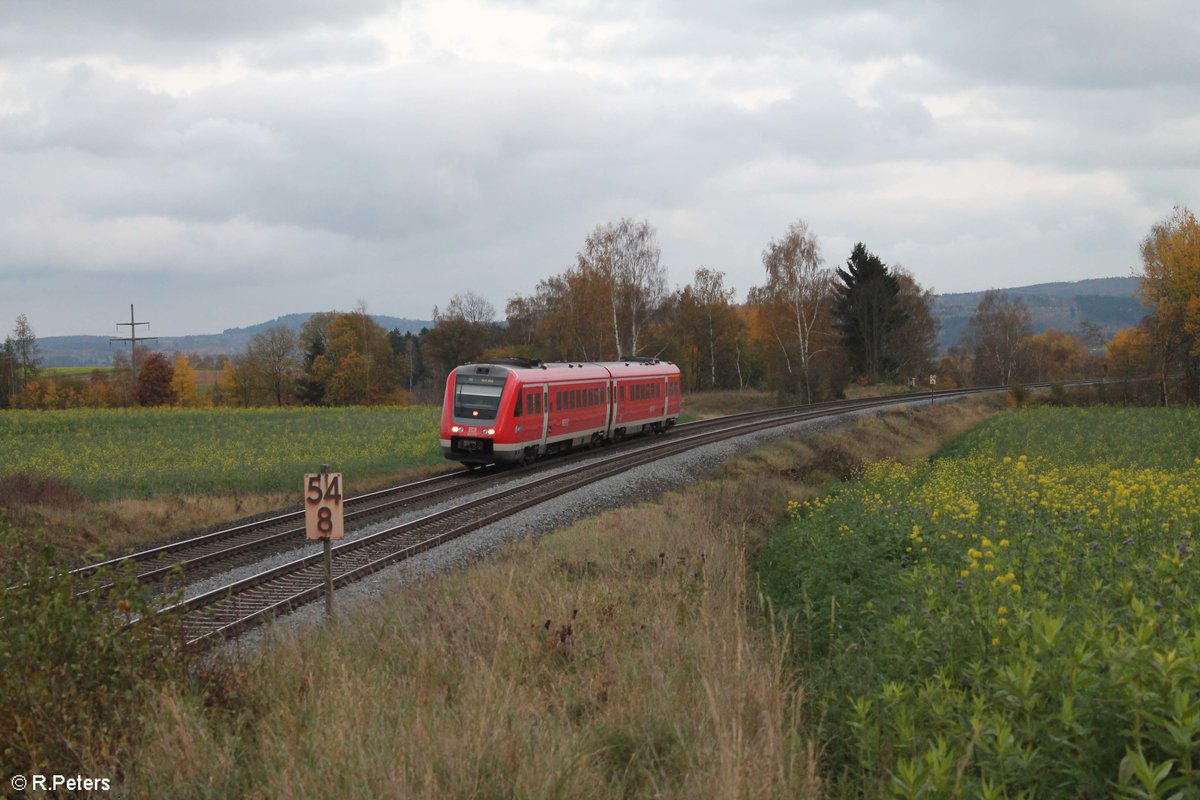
(456, 429)
(490, 431)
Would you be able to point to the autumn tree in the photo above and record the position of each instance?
(153, 386)
(567, 319)
(867, 311)
(316, 369)
(102, 391)
(362, 366)
(1170, 287)
(625, 257)
(274, 353)
(184, 383)
(703, 329)
(799, 284)
(1055, 355)
(994, 335)
(1130, 355)
(911, 346)
(462, 332)
(773, 347)
(226, 391)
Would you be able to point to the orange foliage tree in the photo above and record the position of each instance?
(1171, 289)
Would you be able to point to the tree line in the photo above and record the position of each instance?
(807, 331)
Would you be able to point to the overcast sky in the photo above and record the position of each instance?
(222, 162)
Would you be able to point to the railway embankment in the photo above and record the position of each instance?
(628, 654)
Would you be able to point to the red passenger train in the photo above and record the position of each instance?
(515, 410)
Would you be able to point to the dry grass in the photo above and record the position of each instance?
(706, 405)
(628, 656)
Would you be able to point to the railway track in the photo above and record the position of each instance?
(215, 615)
(197, 557)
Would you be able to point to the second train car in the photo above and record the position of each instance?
(516, 410)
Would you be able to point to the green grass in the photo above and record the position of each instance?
(147, 452)
(65, 372)
(1120, 437)
(1017, 617)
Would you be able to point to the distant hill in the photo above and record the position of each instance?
(96, 351)
(1109, 303)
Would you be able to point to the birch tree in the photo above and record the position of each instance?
(994, 336)
(798, 280)
(626, 256)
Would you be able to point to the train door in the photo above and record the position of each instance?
(545, 409)
(666, 397)
(610, 398)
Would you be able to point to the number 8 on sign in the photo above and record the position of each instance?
(323, 506)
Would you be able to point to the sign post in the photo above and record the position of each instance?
(323, 519)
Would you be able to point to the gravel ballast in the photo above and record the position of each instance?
(639, 484)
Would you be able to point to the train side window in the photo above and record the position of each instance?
(558, 401)
(517, 407)
(622, 393)
(537, 403)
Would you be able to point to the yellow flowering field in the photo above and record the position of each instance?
(1017, 618)
(107, 453)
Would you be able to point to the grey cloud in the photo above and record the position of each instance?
(293, 187)
(165, 31)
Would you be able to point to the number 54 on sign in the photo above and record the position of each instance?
(323, 506)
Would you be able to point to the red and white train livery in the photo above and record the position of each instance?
(515, 410)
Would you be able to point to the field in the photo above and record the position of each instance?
(106, 454)
(1015, 618)
(625, 657)
(71, 372)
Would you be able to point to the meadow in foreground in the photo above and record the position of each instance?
(108, 453)
(1015, 619)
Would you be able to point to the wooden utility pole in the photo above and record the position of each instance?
(133, 339)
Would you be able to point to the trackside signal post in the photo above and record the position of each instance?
(323, 519)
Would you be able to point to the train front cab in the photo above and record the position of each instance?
(476, 403)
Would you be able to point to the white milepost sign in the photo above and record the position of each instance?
(323, 505)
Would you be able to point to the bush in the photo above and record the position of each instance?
(70, 668)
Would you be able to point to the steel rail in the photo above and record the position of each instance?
(159, 562)
(232, 608)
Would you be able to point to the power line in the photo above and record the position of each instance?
(133, 339)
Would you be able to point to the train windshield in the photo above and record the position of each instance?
(474, 401)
